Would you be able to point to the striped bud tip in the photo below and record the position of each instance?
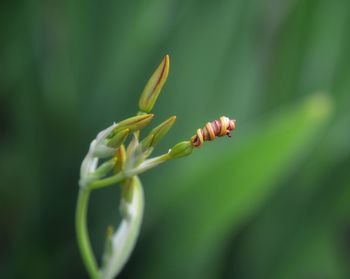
(154, 85)
(133, 123)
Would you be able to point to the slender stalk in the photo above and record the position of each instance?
(82, 233)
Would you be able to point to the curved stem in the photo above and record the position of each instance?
(82, 233)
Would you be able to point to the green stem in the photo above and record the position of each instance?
(82, 233)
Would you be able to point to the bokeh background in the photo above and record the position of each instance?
(272, 202)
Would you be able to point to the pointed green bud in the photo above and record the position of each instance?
(105, 168)
(147, 141)
(133, 123)
(158, 133)
(118, 138)
(154, 85)
(120, 157)
(181, 149)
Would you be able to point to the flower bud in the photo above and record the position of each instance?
(118, 138)
(158, 133)
(154, 85)
(147, 141)
(133, 124)
(105, 168)
(120, 157)
(181, 149)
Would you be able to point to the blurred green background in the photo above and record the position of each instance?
(272, 202)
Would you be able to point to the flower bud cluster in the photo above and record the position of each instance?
(109, 144)
(118, 155)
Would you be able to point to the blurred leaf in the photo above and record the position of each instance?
(233, 187)
(317, 247)
(301, 233)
